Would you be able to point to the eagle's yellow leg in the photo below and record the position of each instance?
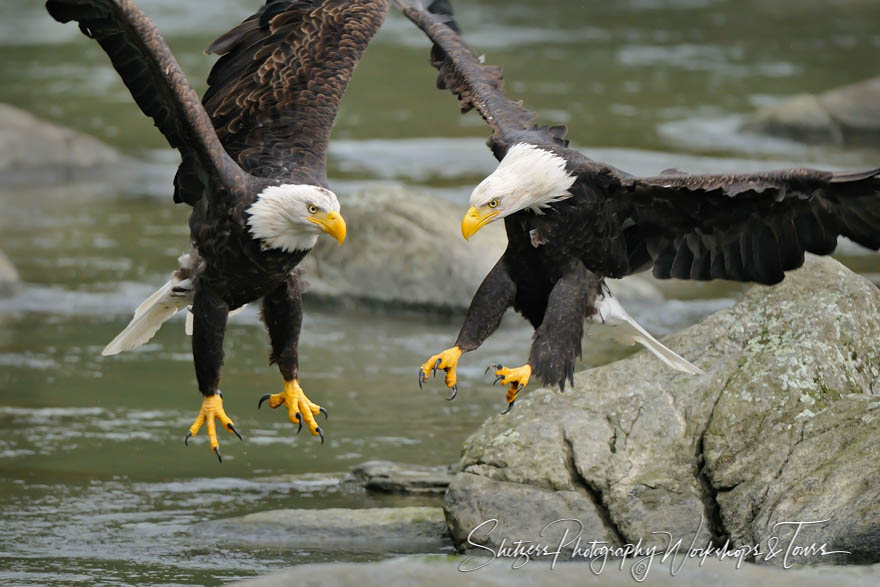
(299, 407)
(212, 408)
(447, 361)
(517, 378)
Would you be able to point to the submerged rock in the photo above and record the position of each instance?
(35, 150)
(783, 427)
(845, 115)
(444, 571)
(388, 477)
(375, 530)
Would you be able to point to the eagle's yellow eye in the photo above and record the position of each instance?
(313, 209)
(494, 203)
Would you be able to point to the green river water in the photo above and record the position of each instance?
(95, 482)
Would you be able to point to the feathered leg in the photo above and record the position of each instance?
(557, 341)
(209, 327)
(488, 305)
(282, 313)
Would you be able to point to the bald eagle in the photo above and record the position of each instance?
(572, 221)
(253, 169)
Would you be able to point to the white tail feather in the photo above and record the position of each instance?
(149, 317)
(612, 321)
(188, 326)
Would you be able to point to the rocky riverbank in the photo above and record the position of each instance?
(783, 427)
(772, 451)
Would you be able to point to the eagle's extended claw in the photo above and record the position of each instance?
(454, 393)
(321, 433)
(516, 378)
(447, 361)
(212, 408)
(299, 408)
(262, 399)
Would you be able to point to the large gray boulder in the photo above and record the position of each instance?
(783, 427)
(404, 248)
(35, 150)
(846, 115)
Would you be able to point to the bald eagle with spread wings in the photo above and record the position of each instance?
(253, 169)
(572, 221)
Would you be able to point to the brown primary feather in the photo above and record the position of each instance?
(476, 85)
(746, 227)
(157, 84)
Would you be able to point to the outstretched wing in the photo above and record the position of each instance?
(744, 227)
(156, 82)
(476, 85)
(275, 91)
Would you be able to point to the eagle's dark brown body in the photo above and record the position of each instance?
(748, 227)
(265, 121)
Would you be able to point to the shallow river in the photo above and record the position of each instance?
(95, 482)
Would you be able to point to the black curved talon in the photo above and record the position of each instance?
(186, 439)
(262, 399)
(493, 366)
(497, 379)
(299, 418)
(323, 411)
(234, 431)
(217, 452)
(454, 393)
(509, 407)
(320, 433)
(437, 364)
(422, 377)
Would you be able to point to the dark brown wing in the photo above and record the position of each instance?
(275, 91)
(156, 82)
(748, 227)
(476, 85)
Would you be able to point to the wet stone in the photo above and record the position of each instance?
(388, 477)
(446, 571)
(374, 530)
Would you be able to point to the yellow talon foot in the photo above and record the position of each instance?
(447, 361)
(212, 408)
(517, 378)
(299, 407)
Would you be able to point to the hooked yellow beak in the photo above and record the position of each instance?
(476, 219)
(331, 223)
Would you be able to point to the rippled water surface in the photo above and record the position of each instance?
(95, 482)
